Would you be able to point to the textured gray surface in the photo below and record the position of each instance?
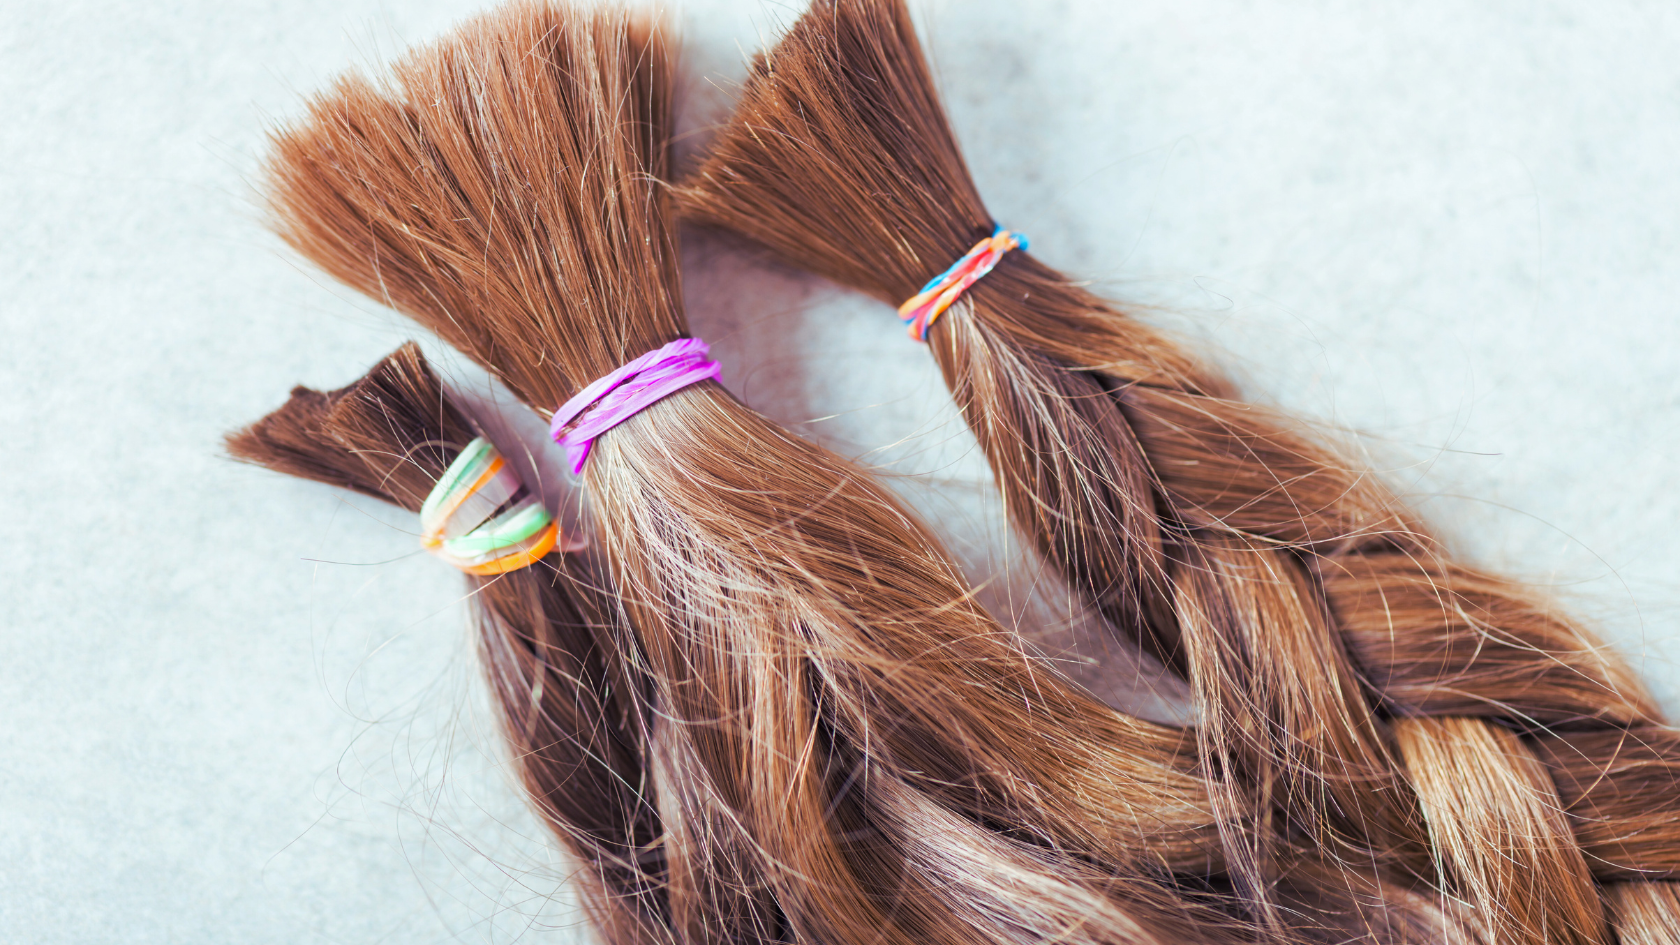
(1453, 230)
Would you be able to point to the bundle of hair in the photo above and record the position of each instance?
(1372, 697)
(574, 722)
(767, 707)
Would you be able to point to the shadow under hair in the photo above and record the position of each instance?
(572, 711)
(1366, 703)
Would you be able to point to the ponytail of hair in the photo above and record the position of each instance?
(573, 714)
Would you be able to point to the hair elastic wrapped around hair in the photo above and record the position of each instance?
(482, 519)
(921, 311)
(628, 391)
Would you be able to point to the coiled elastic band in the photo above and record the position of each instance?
(627, 391)
(480, 518)
(930, 303)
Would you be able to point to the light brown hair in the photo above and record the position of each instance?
(1360, 692)
(840, 744)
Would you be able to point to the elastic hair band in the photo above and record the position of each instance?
(931, 302)
(480, 518)
(626, 392)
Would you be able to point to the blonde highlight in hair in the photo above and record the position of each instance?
(1363, 697)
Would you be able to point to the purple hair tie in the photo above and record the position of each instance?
(626, 392)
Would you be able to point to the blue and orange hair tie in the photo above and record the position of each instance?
(921, 311)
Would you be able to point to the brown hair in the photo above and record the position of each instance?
(840, 744)
(1359, 691)
(573, 717)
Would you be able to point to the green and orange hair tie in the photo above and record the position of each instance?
(921, 311)
(480, 518)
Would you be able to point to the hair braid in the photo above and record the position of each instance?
(1402, 711)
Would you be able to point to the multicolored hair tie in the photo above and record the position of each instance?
(931, 302)
(480, 518)
(628, 391)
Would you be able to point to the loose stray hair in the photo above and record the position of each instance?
(834, 741)
(1361, 693)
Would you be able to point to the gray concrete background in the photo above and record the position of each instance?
(241, 708)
